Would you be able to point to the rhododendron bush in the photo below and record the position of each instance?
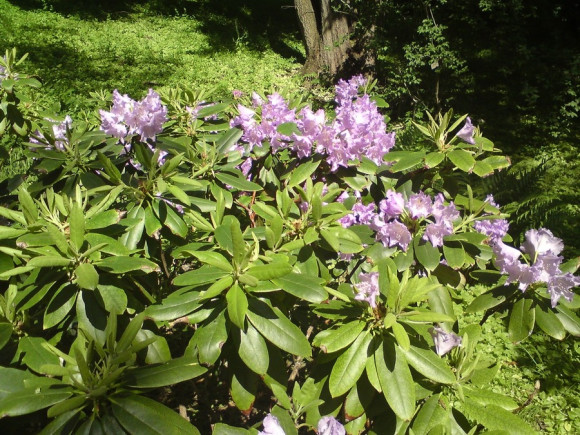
(289, 252)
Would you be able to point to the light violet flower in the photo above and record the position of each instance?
(330, 426)
(444, 341)
(419, 205)
(237, 94)
(466, 132)
(435, 232)
(271, 426)
(560, 285)
(541, 241)
(393, 204)
(368, 288)
(59, 130)
(394, 233)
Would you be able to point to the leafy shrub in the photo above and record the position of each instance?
(299, 257)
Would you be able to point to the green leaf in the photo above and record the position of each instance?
(253, 350)
(408, 160)
(224, 429)
(349, 366)
(103, 220)
(401, 336)
(11, 233)
(114, 298)
(395, 379)
(522, 320)
(13, 380)
(124, 264)
(112, 246)
(433, 159)
(426, 253)
(302, 172)
(152, 223)
(138, 414)
(548, 321)
(496, 418)
(87, 276)
(244, 386)
(359, 398)
(29, 400)
(482, 168)
(77, 227)
(237, 305)
(203, 275)
(173, 307)
(213, 259)
(48, 261)
(430, 365)
(133, 234)
(462, 159)
(277, 329)
(91, 317)
(210, 338)
(346, 241)
(179, 194)
(35, 354)
(302, 286)
(59, 306)
(454, 254)
(270, 271)
(430, 415)
(169, 373)
(569, 320)
(341, 337)
(288, 129)
(169, 218)
(238, 182)
(488, 397)
(490, 299)
(6, 330)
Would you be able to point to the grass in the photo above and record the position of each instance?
(134, 51)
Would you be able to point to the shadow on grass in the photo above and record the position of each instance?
(256, 24)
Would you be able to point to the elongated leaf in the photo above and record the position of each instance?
(243, 388)
(35, 354)
(270, 271)
(174, 307)
(427, 254)
(462, 159)
(48, 261)
(488, 397)
(138, 414)
(569, 320)
(87, 276)
(302, 172)
(210, 338)
(77, 227)
(59, 306)
(548, 321)
(237, 305)
(396, 380)
(91, 317)
(430, 415)
(253, 350)
(124, 264)
(238, 182)
(401, 336)
(454, 254)
(302, 286)
(32, 399)
(341, 337)
(349, 366)
(172, 372)
(133, 234)
(213, 259)
(430, 365)
(522, 320)
(277, 329)
(203, 275)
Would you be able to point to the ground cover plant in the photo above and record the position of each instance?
(288, 255)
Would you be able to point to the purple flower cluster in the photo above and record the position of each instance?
(357, 130)
(59, 130)
(326, 426)
(495, 229)
(394, 208)
(368, 288)
(542, 249)
(127, 116)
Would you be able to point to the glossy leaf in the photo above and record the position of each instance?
(349, 366)
(169, 373)
(430, 365)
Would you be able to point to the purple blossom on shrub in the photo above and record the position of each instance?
(419, 205)
(59, 130)
(271, 426)
(495, 229)
(127, 116)
(466, 132)
(444, 216)
(330, 426)
(444, 341)
(394, 233)
(434, 232)
(237, 94)
(368, 288)
(246, 167)
(560, 285)
(540, 242)
(393, 205)
(345, 91)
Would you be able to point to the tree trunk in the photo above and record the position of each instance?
(326, 36)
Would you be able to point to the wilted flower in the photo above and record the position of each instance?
(466, 132)
(330, 426)
(271, 426)
(444, 341)
(368, 288)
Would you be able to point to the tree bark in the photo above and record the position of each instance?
(326, 36)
